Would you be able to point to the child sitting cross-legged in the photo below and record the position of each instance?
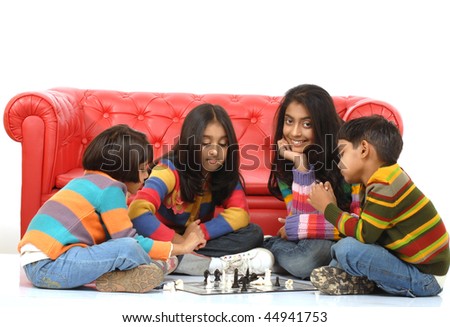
(399, 242)
(83, 233)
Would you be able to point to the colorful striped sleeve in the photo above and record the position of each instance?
(157, 250)
(149, 199)
(303, 220)
(234, 216)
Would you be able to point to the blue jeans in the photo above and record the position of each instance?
(388, 272)
(241, 240)
(299, 258)
(79, 266)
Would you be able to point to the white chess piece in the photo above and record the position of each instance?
(209, 284)
(169, 286)
(179, 284)
(267, 278)
(223, 280)
(289, 284)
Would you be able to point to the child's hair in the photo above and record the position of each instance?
(186, 155)
(118, 151)
(323, 155)
(382, 134)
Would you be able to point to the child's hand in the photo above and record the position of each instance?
(194, 241)
(299, 159)
(194, 227)
(321, 195)
(190, 243)
(283, 147)
(282, 231)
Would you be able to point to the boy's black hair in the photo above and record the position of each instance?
(382, 134)
(118, 151)
(186, 155)
(323, 155)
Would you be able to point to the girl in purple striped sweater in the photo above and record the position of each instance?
(306, 125)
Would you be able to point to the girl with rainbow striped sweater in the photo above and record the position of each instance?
(306, 125)
(196, 188)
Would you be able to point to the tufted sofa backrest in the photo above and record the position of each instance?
(161, 115)
(55, 126)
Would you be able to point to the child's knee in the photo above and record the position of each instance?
(345, 247)
(129, 247)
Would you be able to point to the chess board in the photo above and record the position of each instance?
(216, 288)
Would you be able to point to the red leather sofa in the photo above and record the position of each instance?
(55, 126)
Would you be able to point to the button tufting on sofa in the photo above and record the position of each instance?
(66, 119)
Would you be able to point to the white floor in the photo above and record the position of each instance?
(19, 298)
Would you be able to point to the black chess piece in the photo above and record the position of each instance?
(217, 275)
(235, 281)
(253, 277)
(244, 285)
(206, 274)
(241, 280)
(277, 281)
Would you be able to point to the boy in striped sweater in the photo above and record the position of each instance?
(399, 242)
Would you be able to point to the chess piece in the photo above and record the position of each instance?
(244, 285)
(209, 284)
(206, 274)
(217, 275)
(235, 281)
(244, 278)
(277, 281)
(169, 286)
(179, 284)
(267, 277)
(289, 284)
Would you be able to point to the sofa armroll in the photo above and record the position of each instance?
(48, 124)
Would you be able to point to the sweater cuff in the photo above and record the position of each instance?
(160, 250)
(304, 177)
(291, 227)
(205, 232)
(332, 213)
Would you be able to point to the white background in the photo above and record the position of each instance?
(394, 51)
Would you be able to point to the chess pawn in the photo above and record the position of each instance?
(217, 274)
(235, 281)
(244, 285)
(224, 282)
(206, 274)
(267, 277)
(277, 281)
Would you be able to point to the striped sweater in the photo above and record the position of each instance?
(158, 210)
(303, 220)
(89, 210)
(397, 216)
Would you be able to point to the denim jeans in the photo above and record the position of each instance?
(300, 257)
(388, 272)
(242, 240)
(83, 265)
